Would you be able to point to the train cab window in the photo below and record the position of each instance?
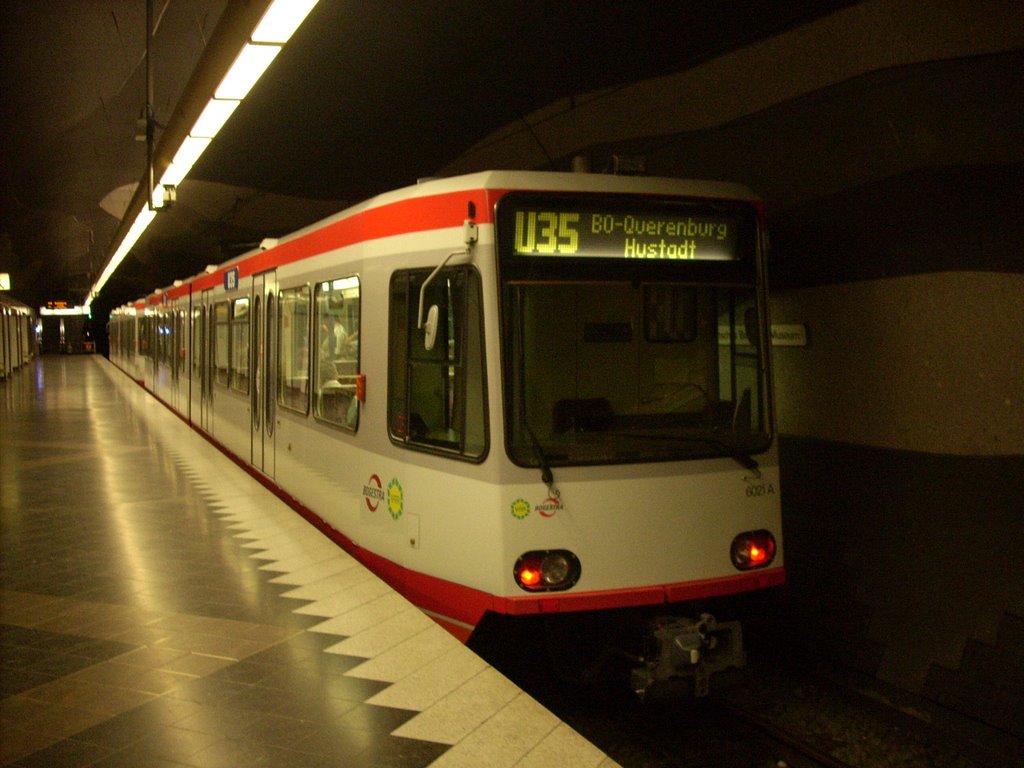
(436, 396)
(336, 359)
(615, 373)
(220, 342)
(293, 349)
(240, 345)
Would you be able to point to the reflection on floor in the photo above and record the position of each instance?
(161, 608)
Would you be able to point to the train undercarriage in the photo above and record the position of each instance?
(654, 654)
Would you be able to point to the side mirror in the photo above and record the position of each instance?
(430, 328)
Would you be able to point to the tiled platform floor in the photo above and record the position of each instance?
(158, 607)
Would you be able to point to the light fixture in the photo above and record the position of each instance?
(213, 118)
(281, 20)
(249, 67)
(190, 151)
(275, 27)
(164, 196)
(142, 221)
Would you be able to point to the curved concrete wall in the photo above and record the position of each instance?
(930, 363)
(888, 142)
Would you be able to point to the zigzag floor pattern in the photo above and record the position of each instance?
(277, 648)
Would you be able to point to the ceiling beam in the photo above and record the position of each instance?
(231, 34)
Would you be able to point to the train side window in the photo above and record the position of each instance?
(182, 350)
(159, 338)
(144, 337)
(221, 343)
(336, 318)
(166, 337)
(436, 397)
(197, 342)
(240, 345)
(293, 349)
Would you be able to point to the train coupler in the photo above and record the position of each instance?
(682, 650)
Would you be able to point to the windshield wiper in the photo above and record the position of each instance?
(542, 461)
(545, 469)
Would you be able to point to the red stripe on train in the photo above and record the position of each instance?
(421, 214)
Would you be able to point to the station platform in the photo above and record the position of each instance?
(159, 607)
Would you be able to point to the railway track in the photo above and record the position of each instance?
(773, 716)
(787, 749)
(684, 733)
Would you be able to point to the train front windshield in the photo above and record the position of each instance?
(632, 331)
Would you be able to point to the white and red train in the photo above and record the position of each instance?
(514, 393)
(19, 342)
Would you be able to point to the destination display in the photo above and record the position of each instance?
(624, 234)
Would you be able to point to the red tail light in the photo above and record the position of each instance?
(753, 549)
(547, 570)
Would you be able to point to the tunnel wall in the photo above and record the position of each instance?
(887, 142)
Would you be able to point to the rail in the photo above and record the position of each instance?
(789, 751)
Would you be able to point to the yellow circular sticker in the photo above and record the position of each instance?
(395, 502)
(520, 508)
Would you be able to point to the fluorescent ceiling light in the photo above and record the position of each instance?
(213, 118)
(278, 24)
(141, 222)
(190, 151)
(250, 65)
(281, 20)
(174, 175)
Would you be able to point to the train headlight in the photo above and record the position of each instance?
(547, 570)
(753, 549)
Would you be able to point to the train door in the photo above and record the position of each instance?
(264, 372)
(205, 340)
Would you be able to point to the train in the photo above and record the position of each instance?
(514, 395)
(19, 340)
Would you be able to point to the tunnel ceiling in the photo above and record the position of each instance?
(368, 96)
